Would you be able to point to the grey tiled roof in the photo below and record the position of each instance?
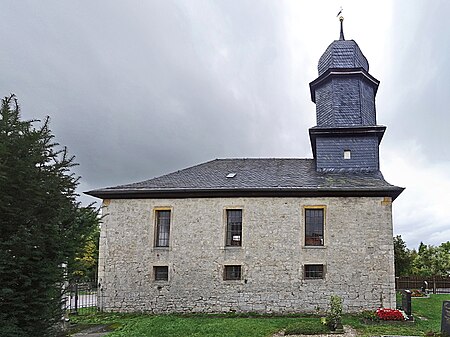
(342, 54)
(260, 174)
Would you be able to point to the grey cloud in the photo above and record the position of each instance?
(138, 89)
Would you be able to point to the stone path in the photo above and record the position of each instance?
(94, 331)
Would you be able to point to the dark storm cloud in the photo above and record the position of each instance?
(141, 88)
(136, 91)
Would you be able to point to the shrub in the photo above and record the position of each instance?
(334, 316)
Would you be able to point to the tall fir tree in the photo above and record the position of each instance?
(42, 226)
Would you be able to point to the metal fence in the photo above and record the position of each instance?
(434, 284)
(81, 298)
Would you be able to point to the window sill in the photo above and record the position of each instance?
(314, 247)
(313, 279)
(232, 247)
(234, 281)
(161, 249)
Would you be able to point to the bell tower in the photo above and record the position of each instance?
(346, 136)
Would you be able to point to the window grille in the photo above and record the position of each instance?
(314, 271)
(162, 228)
(161, 273)
(314, 220)
(232, 273)
(234, 227)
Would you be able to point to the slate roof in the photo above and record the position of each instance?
(255, 177)
(342, 54)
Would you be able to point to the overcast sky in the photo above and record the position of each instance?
(136, 89)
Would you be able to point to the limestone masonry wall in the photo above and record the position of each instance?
(357, 254)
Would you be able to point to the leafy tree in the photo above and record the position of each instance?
(42, 226)
(84, 265)
(431, 260)
(403, 257)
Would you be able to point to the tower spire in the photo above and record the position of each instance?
(341, 36)
(341, 18)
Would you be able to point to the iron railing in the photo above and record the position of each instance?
(81, 297)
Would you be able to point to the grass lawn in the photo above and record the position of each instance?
(426, 311)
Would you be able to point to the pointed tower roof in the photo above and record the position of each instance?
(342, 54)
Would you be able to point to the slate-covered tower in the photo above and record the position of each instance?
(347, 135)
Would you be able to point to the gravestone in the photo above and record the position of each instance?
(445, 321)
(406, 303)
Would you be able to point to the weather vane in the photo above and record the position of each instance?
(341, 19)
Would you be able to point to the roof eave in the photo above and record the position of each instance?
(392, 192)
(342, 72)
(346, 131)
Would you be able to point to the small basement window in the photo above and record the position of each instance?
(161, 273)
(314, 271)
(347, 154)
(232, 273)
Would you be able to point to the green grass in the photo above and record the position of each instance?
(306, 326)
(427, 312)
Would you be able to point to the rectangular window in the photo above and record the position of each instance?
(162, 228)
(314, 271)
(161, 273)
(234, 227)
(314, 221)
(232, 273)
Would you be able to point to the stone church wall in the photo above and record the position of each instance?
(357, 255)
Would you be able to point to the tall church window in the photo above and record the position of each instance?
(162, 228)
(234, 227)
(314, 226)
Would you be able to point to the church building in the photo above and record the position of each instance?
(265, 235)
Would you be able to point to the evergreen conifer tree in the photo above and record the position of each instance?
(42, 226)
